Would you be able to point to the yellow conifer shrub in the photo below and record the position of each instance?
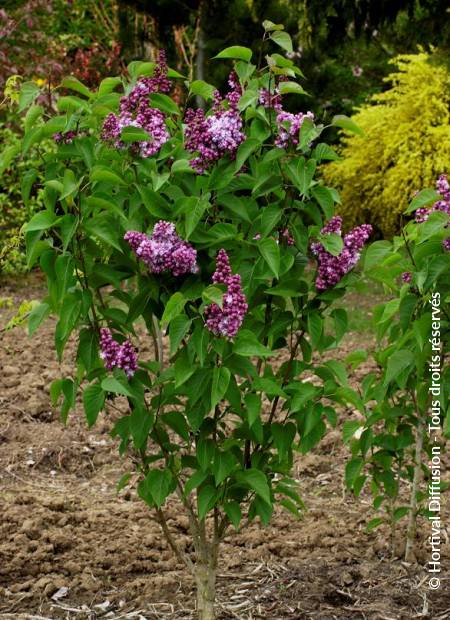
(405, 148)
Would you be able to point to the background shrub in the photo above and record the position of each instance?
(19, 198)
(405, 146)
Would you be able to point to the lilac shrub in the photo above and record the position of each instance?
(407, 414)
(206, 231)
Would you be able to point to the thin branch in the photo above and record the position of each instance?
(181, 555)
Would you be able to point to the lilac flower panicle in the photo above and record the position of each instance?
(117, 355)
(446, 244)
(218, 134)
(333, 268)
(163, 250)
(226, 321)
(406, 277)
(66, 137)
(443, 204)
(135, 111)
(289, 125)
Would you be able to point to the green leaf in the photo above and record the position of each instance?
(223, 465)
(205, 453)
(248, 345)
(332, 243)
(72, 83)
(434, 224)
(233, 512)
(177, 422)
(28, 93)
(270, 251)
(103, 174)
(194, 481)
(41, 221)
(245, 150)
(282, 39)
(340, 120)
(111, 384)
(270, 26)
(291, 87)
(220, 382)
(108, 85)
(253, 406)
(33, 113)
(283, 437)
(397, 362)
(349, 429)
(134, 134)
(206, 499)
(173, 308)
(69, 389)
(195, 214)
(352, 471)
(93, 401)
(424, 197)
(205, 90)
(315, 328)
(355, 358)
(256, 480)
(183, 369)
(236, 52)
(213, 295)
(182, 165)
(164, 103)
(325, 198)
(158, 482)
(37, 315)
(375, 253)
(141, 422)
(179, 327)
(104, 228)
(374, 523)
(324, 152)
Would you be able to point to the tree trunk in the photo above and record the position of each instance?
(205, 578)
(411, 531)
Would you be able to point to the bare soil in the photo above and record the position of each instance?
(71, 547)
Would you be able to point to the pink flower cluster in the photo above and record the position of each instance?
(333, 268)
(117, 355)
(216, 135)
(289, 126)
(227, 320)
(135, 111)
(443, 188)
(163, 250)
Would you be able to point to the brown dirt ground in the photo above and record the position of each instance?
(63, 525)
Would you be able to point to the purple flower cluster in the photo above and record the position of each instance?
(333, 268)
(64, 138)
(163, 250)
(289, 126)
(270, 100)
(286, 235)
(443, 188)
(135, 111)
(446, 244)
(406, 277)
(117, 355)
(216, 135)
(227, 320)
